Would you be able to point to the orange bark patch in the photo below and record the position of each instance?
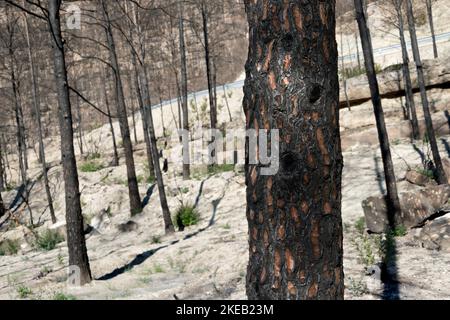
(286, 24)
(302, 277)
(277, 263)
(312, 291)
(315, 239)
(268, 56)
(326, 52)
(255, 234)
(298, 19)
(292, 289)
(315, 116)
(294, 215)
(263, 276)
(287, 62)
(323, 14)
(327, 208)
(272, 80)
(310, 159)
(290, 262)
(253, 176)
(281, 232)
(260, 218)
(322, 146)
(266, 238)
(304, 206)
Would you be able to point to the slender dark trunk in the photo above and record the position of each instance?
(145, 87)
(440, 173)
(226, 102)
(79, 121)
(431, 22)
(133, 110)
(111, 125)
(2, 170)
(294, 216)
(162, 114)
(393, 202)
(212, 106)
(74, 219)
(184, 99)
(344, 73)
(133, 188)
(37, 110)
(159, 178)
(410, 104)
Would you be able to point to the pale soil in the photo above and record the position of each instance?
(208, 260)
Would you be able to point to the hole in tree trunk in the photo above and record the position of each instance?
(316, 93)
(288, 161)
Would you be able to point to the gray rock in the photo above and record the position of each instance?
(436, 234)
(417, 207)
(419, 179)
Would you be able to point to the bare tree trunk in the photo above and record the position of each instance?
(440, 173)
(2, 171)
(431, 22)
(343, 73)
(37, 110)
(133, 116)
(294, 216)
(184, 99)
(393, 202)
(162, 114)
(79, 121)
(145, 87)
(226, 102)
(105, 77)
(74, 219)
(358, 56)
(133, 188)
(410, 104)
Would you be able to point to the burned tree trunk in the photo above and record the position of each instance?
(184, 98)
(294, 216)
(392, 200)
(105, 77)
(440, 173)
(37, 110)
(74, 219)
(79, 121)
(133, 188)
(410, 104)
(431, 23)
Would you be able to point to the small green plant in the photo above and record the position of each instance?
(63, 297)
(9, 247)
(48, 240)
(426, 172)
(357, 287)
(60, 259)
(226, 226)
(360, 225)
(24, 292)
(184, 190)
(216, 169)
(158, 268)
(399, 231)
(187, 215)
(91, 166)
(156, 239)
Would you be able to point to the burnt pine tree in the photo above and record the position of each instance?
(133, 188)
(37, 110)
(410, 103)
(392, 200)
(294, 216)
(184, 96)
(429, 4)
(440, 173)
(74, 219)
(105, 77)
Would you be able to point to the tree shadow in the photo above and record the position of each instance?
(148, 195)
(141, 258)
(420, 152)
(446, 145)
(379, 174)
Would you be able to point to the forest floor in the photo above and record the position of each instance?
(208, 260)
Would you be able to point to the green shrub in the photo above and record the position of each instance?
(426, 172)
(399, 231)
(360, 225)
(216, 169)
(48, 240)
(91, 166)
(156, 239)
(187, 215)
(352, 72)
(24, 292)
(9, 247)
(94, 156)
(63, 297)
